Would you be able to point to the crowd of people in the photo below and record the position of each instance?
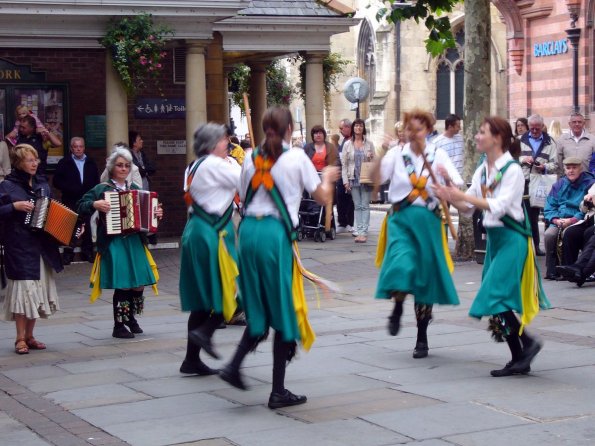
(256, 268)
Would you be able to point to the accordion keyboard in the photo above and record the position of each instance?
(113, 222)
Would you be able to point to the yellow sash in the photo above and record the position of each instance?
(228, 270)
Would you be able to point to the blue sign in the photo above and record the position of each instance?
(160, 108)
(550, 48)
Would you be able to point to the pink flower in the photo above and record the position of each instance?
(143, 60)
(151, 37)
(158, 65)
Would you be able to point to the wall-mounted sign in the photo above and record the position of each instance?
(171, 147)
(10, 72)
(160, 108)
(95, 131)
(550, 48)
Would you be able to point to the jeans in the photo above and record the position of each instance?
(361, 203)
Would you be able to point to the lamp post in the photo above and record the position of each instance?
(574, 36)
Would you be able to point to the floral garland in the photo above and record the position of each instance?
(137, 48)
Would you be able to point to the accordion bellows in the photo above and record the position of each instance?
(54, 218)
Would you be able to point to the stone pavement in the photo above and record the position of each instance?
(363, 386)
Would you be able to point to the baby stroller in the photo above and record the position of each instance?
(312, 219)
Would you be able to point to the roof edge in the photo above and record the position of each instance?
(337, 6)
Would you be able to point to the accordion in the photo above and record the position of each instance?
(131, 211)
(53, 217)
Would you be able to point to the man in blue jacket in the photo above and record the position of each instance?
(76, 174)
(562, 208)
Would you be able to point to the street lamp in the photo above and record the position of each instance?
(574, 36)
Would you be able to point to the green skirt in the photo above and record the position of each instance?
(266, 262)
(500, 289)
(124, 264)
(200, 279)
(414, 261)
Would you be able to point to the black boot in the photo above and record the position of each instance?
(531, 347)
(280, 396)
(121, 307)
(136, 300)
(394, 320)
(503, 332)
(231, 372)
(192, 363)
(423, 314)
(201, 337)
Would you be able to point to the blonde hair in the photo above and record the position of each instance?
(20, 151)
(399, 126)
(555, 129)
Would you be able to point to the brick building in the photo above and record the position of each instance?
(50, 60)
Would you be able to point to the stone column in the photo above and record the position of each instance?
(258, 98)
(116, 106)
(314, 91)
(196, 92)
(226, 109)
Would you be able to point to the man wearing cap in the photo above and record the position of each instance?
(578, 143)
(562, 207)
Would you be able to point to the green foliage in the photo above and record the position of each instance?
(333, 65)
(238, 80)
(279, 88)
(137, 47)
(440, 35)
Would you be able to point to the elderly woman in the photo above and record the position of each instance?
(357, 151)
(30, 256)
(205, 288)
(123, 263)
(320, 151)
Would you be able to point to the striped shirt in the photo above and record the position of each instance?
(453, 147)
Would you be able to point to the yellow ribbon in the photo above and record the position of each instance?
(449, 263)
(382, 239)
(529, 288)
(228, 270)
(307, 334)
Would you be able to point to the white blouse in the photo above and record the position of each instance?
(215, 184)
(506, 198)
(393, 168)
(292, 172)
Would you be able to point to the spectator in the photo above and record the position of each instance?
(75, 174)
(345, 211)
(451, 141)
(28, 135)
(321, 152)
(140, 159)
(4, 161)
(538, 156)
(555, 129)
(562, 208)
(31, 256)
(521, 126)
(20, 113)
(577, 144)
(575, 237)
(357, 151)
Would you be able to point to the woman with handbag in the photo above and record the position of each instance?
(356, 159)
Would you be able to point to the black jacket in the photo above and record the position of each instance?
(22, 246)
(68, 180)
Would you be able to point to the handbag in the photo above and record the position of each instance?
(539, 188)
(366, 172)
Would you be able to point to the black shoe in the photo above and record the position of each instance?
(87, 257)
(524, 362)
(571, 273)
(278, 400)
(67, 258)
(394, 325)
(122, 332)
(232, 376)
(199, 339)
(197, 368)
(134, 327)
(539, 252)
(421, 350)
(507, 371)
(551, 277)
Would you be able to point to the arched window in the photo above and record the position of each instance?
(450, 79)
(366, 55)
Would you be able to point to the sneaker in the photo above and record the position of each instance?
(355, 233)
(341, 230)
(349, 228)
(285, 399)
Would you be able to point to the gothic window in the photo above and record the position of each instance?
(366, 55)
(449, 79)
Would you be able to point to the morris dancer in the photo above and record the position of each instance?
(416, 258)
(272, 182)
(510, 279)
(208, 260)
(123, 262)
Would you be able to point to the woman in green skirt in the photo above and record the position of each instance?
(273, 179)
(123, 263)
(510, 281)
(208, 257)
(416, 258)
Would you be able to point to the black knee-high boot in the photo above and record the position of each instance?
(192, 363)
(394, 320)
(504, 327)
(201, 336)
(136, 300)
(282, 353)
(530, 345)
(121, 307)
(423, 314)
(231, 372)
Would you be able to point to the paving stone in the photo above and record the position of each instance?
(54, 384)
(13, 433)
(95, 396)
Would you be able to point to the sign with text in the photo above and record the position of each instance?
(160, 108)
(95, 131)
(551, 48)
(10, 72)
(171, 147)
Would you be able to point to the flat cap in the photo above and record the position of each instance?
(572, 160)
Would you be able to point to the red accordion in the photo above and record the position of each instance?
(131, 211)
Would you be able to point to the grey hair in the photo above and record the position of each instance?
(119, 150)
(346, 122)
(536, 118)
(206, 138)
(76, 138)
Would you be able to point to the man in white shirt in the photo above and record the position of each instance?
(578, 143)
(452, 142)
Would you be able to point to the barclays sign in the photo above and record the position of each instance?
(551, 48)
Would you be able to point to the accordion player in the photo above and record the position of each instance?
(131, 211)
(53, 217)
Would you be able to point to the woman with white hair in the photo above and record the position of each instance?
(123, 263)
(208, 258)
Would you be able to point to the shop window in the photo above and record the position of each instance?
(450, 77)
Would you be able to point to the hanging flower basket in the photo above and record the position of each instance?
(137, 47)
